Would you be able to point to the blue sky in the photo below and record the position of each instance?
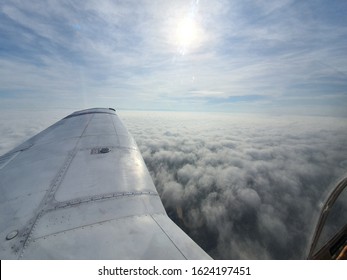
(281, 57)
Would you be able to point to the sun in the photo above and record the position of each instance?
(186, 33)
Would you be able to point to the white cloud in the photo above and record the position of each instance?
(246, 187)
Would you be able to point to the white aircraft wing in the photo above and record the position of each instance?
(81, 190)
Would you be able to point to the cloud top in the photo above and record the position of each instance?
(242, 187)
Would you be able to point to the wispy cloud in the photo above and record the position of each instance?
(129, 54)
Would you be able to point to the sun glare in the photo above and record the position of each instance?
(186, 33)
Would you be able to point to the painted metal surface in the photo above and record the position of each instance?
(81, 190)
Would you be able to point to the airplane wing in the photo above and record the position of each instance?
(81, 190)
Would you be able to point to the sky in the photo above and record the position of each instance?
(238, 107)
(277, 57)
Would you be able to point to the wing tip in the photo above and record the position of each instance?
(92, 111)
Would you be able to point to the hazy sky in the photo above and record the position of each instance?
(235, 56)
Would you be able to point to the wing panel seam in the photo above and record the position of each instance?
(49, 196)
(76, 202)
(96, 223)
(167, 235)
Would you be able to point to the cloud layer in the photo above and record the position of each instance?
(242, 187)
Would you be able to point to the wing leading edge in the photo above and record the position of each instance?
(81, 190)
